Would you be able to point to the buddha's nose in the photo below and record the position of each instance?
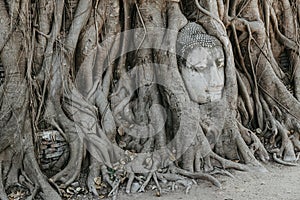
(216, 78)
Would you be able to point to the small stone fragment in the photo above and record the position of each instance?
(97, 180)
(75, 184)
(135, 187)
(158, 194)
(70, 190)
(78, 189)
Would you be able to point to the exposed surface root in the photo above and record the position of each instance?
(280, 161)
(221, 172)
(42, 51)
(2, 190)
(197, 175)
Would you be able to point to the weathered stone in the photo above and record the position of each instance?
(52, 147)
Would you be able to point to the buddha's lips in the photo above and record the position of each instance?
(215, 90)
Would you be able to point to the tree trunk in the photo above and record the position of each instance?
(108, 79)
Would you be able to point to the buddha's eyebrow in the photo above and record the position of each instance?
(198, 63)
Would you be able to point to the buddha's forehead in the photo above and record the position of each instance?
(203, 53)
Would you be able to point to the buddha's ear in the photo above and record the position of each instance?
(181, 61)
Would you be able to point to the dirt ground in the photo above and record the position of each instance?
(280, 182)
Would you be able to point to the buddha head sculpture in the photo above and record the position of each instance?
(201, 61)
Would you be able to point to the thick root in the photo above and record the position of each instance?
(227, 164)
(278, 160)
(3, 195)
(198, 175)
(94, 172)
(69, 174)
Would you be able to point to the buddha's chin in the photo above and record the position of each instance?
(214, 96)
(207, 97)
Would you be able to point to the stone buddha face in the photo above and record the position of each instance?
(201, 63)
(203, 73)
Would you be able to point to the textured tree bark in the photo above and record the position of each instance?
(106, 75)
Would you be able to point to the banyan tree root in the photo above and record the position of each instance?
(89, 115)
(151, 167)
(150, 164)
(280, 161)
(256, 145)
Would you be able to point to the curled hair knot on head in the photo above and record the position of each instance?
(191, 36)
